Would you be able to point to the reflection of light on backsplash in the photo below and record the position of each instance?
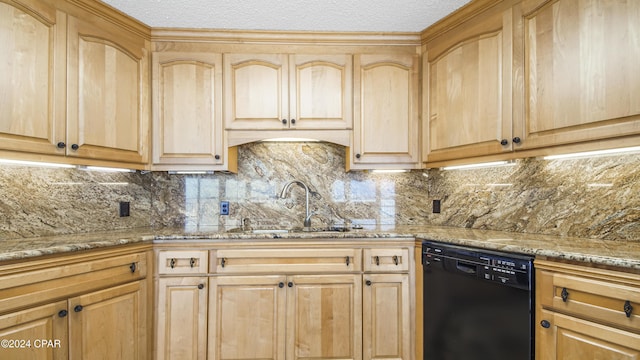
(363, 191)
(600, 185)
(338, 191)
(499, 185)
(65, 183)
(113, 183)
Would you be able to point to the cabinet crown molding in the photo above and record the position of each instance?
(284, 37)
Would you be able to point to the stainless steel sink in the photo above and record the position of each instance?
(288, 231)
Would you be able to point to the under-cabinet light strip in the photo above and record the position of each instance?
(35, 163)
(619, 151)
(478, 165)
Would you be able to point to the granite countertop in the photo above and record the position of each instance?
(625, 254)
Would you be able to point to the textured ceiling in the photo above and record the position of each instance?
(290, 15)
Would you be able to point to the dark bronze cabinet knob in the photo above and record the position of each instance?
(280, 284)
(368, 282)
(61, 145)
(75, 146)
(516, 140)
(217, 157)
(62, 313)
(78, 308)
(504, 142)
(200, 286)
(290, 284)
(293, 121)
(358, 156)
(284, 121)
(545, 324)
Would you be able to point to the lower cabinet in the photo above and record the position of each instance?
(182, 318)
(386, 320)
(586, 313)
(285, 317)
(284, 303)
(86, 306)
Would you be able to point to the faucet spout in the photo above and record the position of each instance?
(284, 192)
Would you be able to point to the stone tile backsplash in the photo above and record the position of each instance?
(596, 197)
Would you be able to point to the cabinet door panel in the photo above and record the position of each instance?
(182, 318)
(255, 91)
(386, 324)
(32, 43)
(386, 121)
(109, 324)
(571, 338)
(468, 79)
(36, 324)
(187, 108)
(324, 317)
(107, 94)
(247, 317)
(321, 91)
(582, 71)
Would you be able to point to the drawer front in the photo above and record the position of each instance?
(287, 261)
(183, 262)
(386, 260)
(608, 302)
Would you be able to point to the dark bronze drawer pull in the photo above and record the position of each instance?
(377, 260)
(192, 262)
(628, 309)
(395, 259)
(132, 267)
(348, 260)
(223, 262)
(564, 294)
(172, 263)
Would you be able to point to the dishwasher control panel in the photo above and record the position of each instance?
(504, 268)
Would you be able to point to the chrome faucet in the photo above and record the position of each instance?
(283, 194)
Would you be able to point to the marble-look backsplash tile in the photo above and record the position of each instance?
(335, 197)
(597, 197)
(46, 201)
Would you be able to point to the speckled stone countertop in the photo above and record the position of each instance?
(624, 254)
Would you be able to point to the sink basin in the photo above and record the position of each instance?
(286, 231)
(269, 231)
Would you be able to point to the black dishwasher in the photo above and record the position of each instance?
(478, 304)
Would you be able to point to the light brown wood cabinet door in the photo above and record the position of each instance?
(32, 92)
(182, 318)
(581, 71)
(467, 79)
(247, 317)
(109, 324)
(187, 109)
(107, 95)
(256, 91)
(321, 91)
(26, 329)
(324, 317)
(386, 319)
(566, 337)
(385, 127)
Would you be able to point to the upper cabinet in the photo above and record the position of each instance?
(467, 81)
(107, 95)
(385, 131)
(73, 84)
(187, 112)
(277, 91)
(581, 71)
(32, 54)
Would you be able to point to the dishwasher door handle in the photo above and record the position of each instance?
(469, 269)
